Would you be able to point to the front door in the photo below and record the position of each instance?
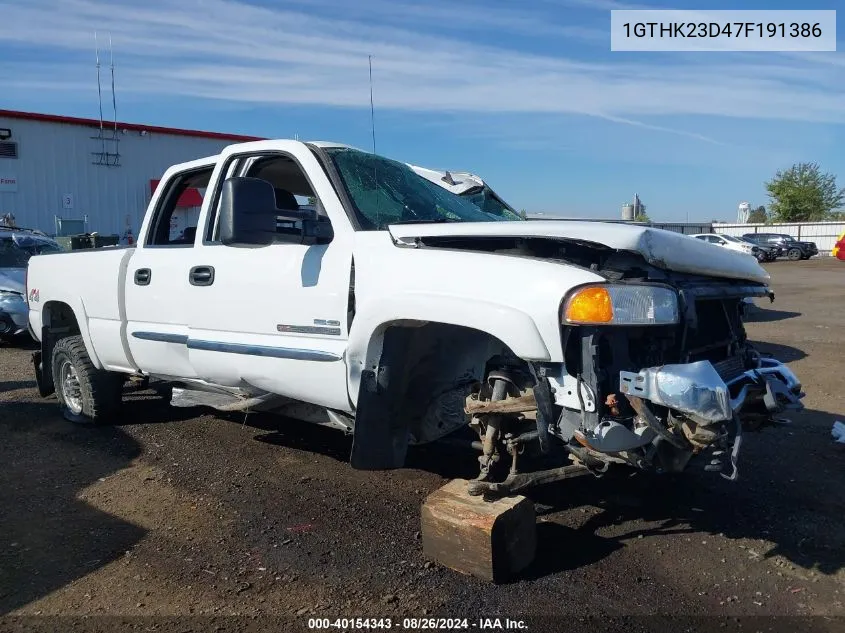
(274, 318)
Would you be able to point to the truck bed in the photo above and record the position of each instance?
(92, 283)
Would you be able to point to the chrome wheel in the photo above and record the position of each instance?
(69, 384)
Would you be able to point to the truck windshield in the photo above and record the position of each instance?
(385, 192)
(16, 251)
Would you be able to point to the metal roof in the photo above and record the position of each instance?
(135, 127)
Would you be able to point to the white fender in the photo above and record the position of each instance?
(514, 328)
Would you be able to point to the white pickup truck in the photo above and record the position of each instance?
(333, 285)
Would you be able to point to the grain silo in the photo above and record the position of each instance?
(743, 213)
(631, 211)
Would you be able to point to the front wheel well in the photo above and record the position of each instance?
(416, 389)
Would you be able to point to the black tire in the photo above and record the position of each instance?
(761, 257)
(794, 254)
(86, 395)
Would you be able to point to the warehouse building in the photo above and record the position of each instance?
(66, 175)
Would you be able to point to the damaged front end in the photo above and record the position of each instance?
(657, 372)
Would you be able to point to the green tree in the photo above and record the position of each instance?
(803, 193)
(758, 215)
(642, 217)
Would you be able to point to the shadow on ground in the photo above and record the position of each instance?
(442, 459)
(14, 385)
(20, 342)
(783, 353)
(49, 537)
(296, 434)
(775, 500)
(765, 315)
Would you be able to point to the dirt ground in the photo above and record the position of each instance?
(200, 517)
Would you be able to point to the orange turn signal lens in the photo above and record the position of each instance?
(589, 305)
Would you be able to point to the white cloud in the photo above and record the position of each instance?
(422, 57)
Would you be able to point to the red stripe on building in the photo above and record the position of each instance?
(134, 127)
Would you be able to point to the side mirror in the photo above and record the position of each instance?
(249, 217)
(247, 212)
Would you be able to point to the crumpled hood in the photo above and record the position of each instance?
(13, 279)
(664, 249)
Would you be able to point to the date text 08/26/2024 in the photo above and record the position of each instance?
(418, 624)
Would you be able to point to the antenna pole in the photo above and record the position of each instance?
(113, 95)
(99, 92)
(372, 108)
(99, 89)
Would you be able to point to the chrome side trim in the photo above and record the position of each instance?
(263, 350)
(308, 329)
(161, 337)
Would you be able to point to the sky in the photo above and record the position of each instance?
(527, 94)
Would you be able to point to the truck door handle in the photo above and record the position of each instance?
(201, 275)
(143, 276)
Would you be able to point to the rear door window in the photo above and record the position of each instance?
(175, 218)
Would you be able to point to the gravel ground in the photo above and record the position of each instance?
(187, 515)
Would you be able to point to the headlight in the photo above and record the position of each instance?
(607, 304)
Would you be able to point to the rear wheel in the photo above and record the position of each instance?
(86, 395)
(761, 256)
(794, 254)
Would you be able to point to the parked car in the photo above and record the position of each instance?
(400, 313)
(792, 248)
(16, 247)
(761, 253)
(839, 248)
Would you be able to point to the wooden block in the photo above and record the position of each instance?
(489, 539)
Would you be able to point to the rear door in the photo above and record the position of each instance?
(157, 280)
(274, 318)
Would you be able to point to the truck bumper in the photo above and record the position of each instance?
(699, 391)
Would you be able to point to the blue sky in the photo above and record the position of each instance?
(527, 94)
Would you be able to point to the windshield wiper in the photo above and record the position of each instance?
(420, 221)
